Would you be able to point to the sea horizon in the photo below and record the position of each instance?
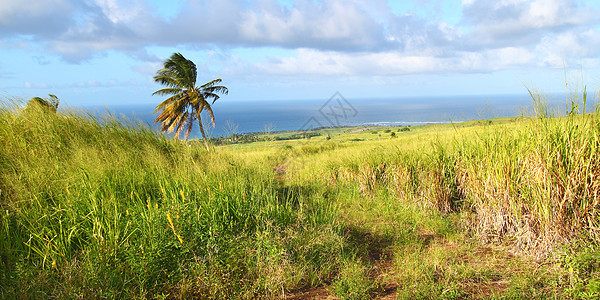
(289, 115)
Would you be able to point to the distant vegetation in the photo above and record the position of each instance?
(254, 137)
(96, 208)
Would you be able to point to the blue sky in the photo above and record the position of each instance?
(105, 52)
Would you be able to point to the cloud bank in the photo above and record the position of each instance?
(336, 37)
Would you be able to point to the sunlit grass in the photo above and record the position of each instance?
(99, 208)
(93, 202)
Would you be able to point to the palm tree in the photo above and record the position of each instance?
(187, 100)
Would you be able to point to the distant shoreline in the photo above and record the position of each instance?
(256, 117)
(362, 127)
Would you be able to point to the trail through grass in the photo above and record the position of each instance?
(395, 249)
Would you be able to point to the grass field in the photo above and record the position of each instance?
(502, 208)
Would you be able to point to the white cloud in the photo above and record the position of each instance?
(119, 13)
(9, 9)
(450, 32)
(556, 50)
(44, 18)
(313, 62)
(36, 85)
(340, 25)
(335, 37)
(523, 21)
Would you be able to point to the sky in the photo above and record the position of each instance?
(106, 52)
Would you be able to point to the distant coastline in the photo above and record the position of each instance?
(292, 115)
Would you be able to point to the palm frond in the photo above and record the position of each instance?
(168, 78)
(210, 113)
(214, 88)
(212, 96)
(188, 129)
(180, 124)
(184, 69)
(210, 90)
(52, 99)
(217, 89)
(211, 83)
(168, 91)
(171, 100)
(171, 111)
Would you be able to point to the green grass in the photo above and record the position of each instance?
(98, 208)
(95, 208)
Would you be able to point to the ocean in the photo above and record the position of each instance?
(271, 116)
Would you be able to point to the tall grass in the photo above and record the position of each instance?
(533, 182)
(99, 208)
(538, 182)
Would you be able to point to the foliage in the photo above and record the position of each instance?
(49, 104)
(187, 101)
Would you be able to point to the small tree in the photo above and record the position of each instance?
(49, 104)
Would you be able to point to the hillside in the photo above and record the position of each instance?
(503, 208)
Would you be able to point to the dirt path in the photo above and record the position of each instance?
(320, 293)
